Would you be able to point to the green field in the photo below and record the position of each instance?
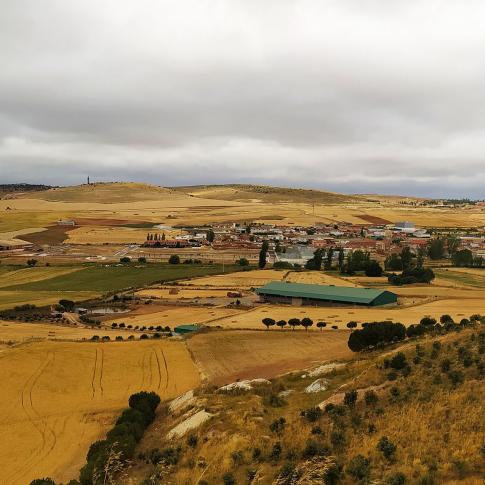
(113, 278)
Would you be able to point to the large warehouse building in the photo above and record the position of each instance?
(321, 295)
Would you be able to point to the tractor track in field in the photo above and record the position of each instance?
(97, 377)
(154, 350)
(39, 422)
(166, 368)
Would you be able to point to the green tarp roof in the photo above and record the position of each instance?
(320, 292)
(186, 328)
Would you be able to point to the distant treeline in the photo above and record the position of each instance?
(23, 187)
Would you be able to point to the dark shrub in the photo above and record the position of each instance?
(387, 448)
(359, 468)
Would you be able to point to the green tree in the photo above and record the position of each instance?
(373, 269)
(210, 235)
(321, 325)
(294, 322)
(142, 259)
(262, 254)
(463, 258)
(328, 261)
(68, 305)
(174, 259)
(269, 322)
(281, 323)
(243, 262)
(306, 323)
(406, 258)
(436, 249)
(393, 263)
(43, 481)
(125, 260)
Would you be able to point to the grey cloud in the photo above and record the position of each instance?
(363, 95)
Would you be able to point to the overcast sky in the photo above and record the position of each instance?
(347, 95)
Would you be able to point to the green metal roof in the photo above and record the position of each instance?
(321, 292)
(186, 328)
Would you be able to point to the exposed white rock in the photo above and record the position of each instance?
(317, 386)
(190, 423)
(245, 385)
(182, 401)
(325, 369)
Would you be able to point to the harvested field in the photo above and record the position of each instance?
(174, 315)
(52, 235)
(182, 292)
(242, 279)
(317, 278)
(61, 397)
(225, 356)
(373, 219)
(113, 235)
(19, 332)
(342, 315)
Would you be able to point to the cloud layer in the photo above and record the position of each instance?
(349, 95)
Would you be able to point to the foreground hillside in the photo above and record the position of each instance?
(411, 415)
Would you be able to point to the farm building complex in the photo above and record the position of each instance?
(320, 295)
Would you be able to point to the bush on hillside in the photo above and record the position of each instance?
(376, 333)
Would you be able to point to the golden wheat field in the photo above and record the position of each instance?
(340, 316)
(60, 397)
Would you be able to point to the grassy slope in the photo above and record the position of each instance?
(263, 192)
(437, 426)
(101, 278)
(103, 193)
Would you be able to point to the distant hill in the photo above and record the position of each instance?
(111, 192)
(246, 192)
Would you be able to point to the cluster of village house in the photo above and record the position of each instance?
(296, 244)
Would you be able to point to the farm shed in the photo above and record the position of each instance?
(184, 329)
(322, 295)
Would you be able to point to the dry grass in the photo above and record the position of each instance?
(60, 397)
(437, 427)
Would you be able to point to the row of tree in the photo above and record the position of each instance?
(375, 334)
(156, 237)
(306, 323)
